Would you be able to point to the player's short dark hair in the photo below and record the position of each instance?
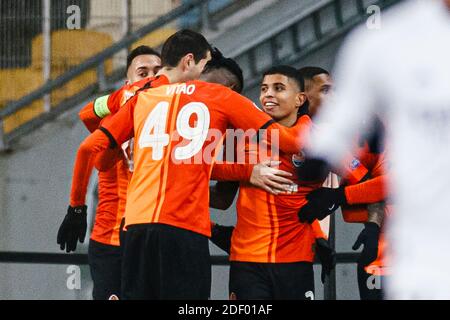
(218, 61)
(139, 51)
(307, 73)
(289, 72)
(182, 43)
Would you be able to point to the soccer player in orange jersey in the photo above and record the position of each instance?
(104, 251)
(176, 128)
(191, 52)
(271, 252)
(185, 54)
(361, 202)
(361, 197)
(143, 63)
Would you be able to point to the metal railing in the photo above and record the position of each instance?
(97, 61)
(288, 42)
(81, 259)
(329, 288)
(294, 39)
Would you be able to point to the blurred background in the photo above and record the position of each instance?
(56, 55)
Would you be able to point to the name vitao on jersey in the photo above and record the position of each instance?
(177, 130)
(192, 131)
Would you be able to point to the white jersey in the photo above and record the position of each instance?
(402, 73)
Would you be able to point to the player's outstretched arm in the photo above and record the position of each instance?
(294, 139)
(107, 159)
(73, 227)
(244, 114)
(222, 194)
(369, 191)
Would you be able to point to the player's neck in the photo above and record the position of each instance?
(173, 74)
(288, 121)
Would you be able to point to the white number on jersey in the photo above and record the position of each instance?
(196, 134)
(156, 121)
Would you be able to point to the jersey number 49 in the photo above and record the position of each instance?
(154, 133)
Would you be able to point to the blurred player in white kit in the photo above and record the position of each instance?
(401, 73)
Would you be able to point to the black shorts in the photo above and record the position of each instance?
(370, 286)
(165, 262)
(105, 263)
(271, 281)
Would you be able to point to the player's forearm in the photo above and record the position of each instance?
(376, 213)
(290, 140)
(221, 195)
(84, 164)
(232, 171)
(80, 179)
(107, 159)
(370, 191)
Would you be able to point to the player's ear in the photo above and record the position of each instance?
(300, 99)
(188, 61)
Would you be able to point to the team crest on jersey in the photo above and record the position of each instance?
(354, 164)
(298, 159)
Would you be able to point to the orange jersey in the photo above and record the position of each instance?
(112, 201)
(268, 229)
(107, 216)
(113, 182)
(370, 191)
(177, 129)
(93, 113)
(107, 208)
(112, 185)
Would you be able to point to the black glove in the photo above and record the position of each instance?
(73, 228)
(321, 203)
(369, 238)
(327, 257)
(312, 169)
(221, 237)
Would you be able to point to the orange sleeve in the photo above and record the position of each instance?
(89, 117)
(380, 167)
(93, 113)
(107, 159)
(246, 115)
(120, 126)
(318, 232)
(84, 161)
(117, 99)
(231, 172)
(294, 139)
(370, 191)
